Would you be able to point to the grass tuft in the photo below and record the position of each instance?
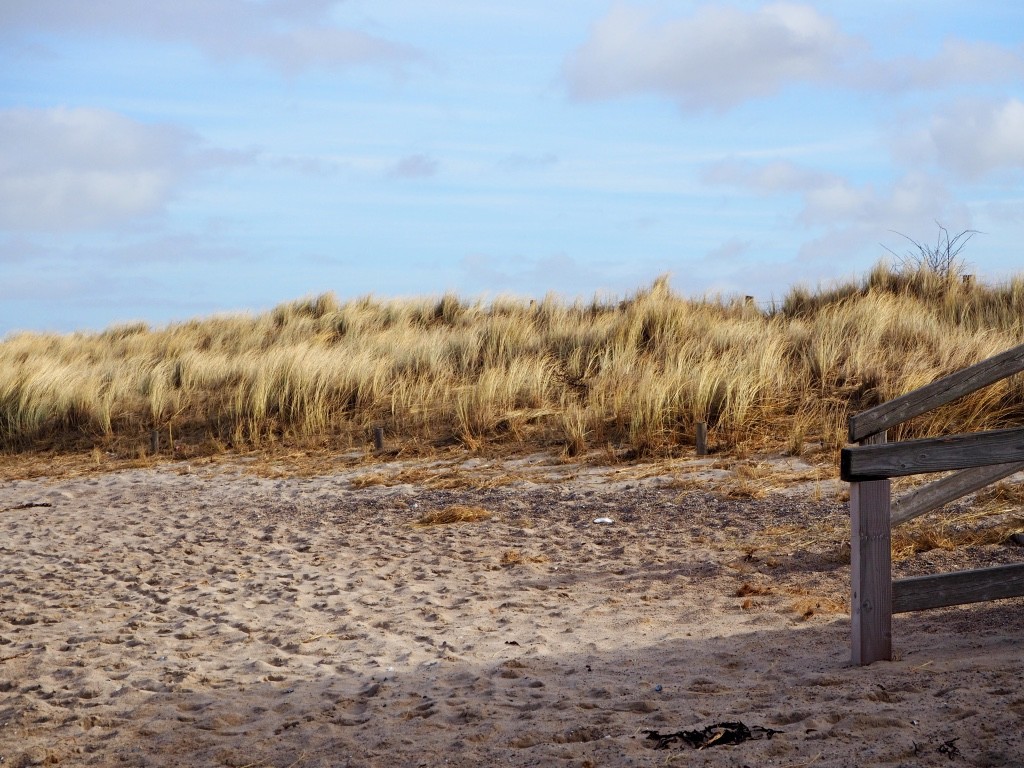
(948, 532)
(457, 513)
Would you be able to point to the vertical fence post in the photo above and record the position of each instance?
(154, 442)
(702, 438)
(871, 568)
(378, 439)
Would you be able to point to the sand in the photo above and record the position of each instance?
(202, 615)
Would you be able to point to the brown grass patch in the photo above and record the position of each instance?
(827, 538)
(517, 557)
(951, 532)
(1001, 497)
(809, 605)
(512, 557)
(457, 513)
(752, 589)
(806, 609)
(747, 479)
(440, 478)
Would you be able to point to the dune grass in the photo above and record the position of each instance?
(457, 513)
(635, 375)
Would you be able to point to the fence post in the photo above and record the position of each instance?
(154, 442)
(871, 567)
(702, 438)
(378, 439)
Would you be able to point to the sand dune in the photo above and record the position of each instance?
(158, 617)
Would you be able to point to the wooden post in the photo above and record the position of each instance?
(871, 568)
(702, 438)
(154, 442)
(378, 439)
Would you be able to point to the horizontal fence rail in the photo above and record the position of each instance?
(922, 592)
(932, 454)
(939, 392)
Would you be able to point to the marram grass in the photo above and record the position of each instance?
(636, 374)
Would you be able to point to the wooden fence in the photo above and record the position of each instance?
(979, 458)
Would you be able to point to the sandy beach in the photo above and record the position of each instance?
(209, 615)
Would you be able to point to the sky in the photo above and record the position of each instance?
(163, 161)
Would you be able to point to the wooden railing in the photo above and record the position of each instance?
(980, 458)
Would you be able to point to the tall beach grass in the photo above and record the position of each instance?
(636, 374)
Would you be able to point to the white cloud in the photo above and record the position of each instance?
(829, 198)
(838, 199)
(521, 161)
(50, 284)
(857, 217)
(914, 201)
(852, 215)
(729, 252)
(310, 165)
(957, 62)
(1005, 211)
(721, 56)
(293, 35)
(414, 167)
(535, 276)
(973, 138)
(764, 178)
(67, 169)
(716, 58)
(18, 250)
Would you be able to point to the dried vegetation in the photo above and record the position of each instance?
(456, 513)
(633, 376)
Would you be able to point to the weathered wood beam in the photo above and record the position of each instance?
(939, 392)
(949, 488)
(933, 454)
(871, 569)
(922, 592)
(702, 438)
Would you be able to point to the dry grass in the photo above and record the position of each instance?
(977, 528)
(633, 376)
(752, 589)
(742, 479)
(440, 477)
(812, 605)
(1001, 497)
(512, 557)
(457, 513)
(806, 603)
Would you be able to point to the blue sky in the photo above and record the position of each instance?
(160, 161)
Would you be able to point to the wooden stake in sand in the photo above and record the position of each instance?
(702, 438)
